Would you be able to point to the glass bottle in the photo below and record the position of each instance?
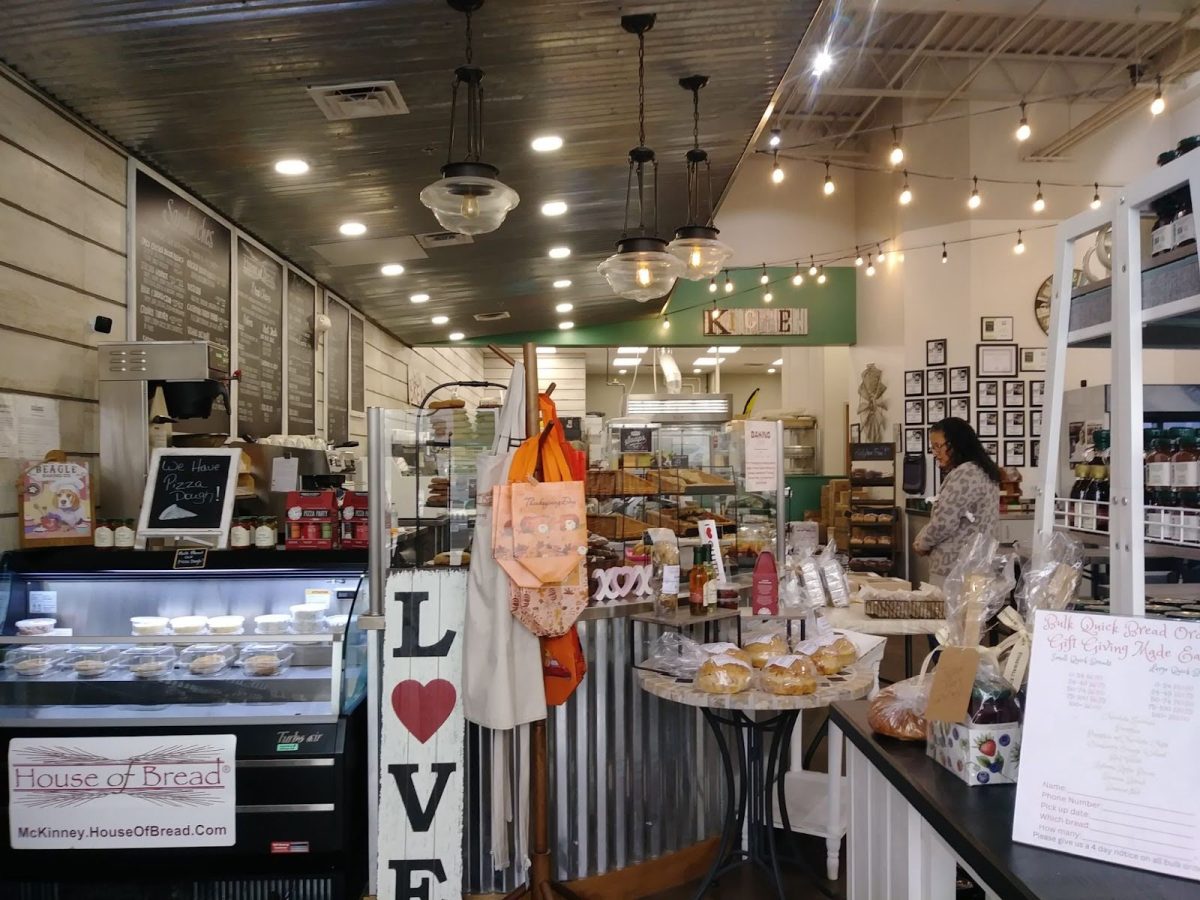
(1098, 493)
(1184, 228)
(239, 533)
(102, 537)
(1076, 506)
(710, 582)
(124, 534)
(1087, 505)
(1158, 482)
(1185, 481)
(696, 578)
(1162, 232)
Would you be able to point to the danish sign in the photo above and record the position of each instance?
(752, 321)
(421, 748)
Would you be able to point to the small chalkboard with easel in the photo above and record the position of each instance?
(189, 496)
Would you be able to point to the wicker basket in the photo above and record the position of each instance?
(617, 527)
(900, 608)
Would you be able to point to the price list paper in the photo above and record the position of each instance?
(1108, 766)
(260, 342)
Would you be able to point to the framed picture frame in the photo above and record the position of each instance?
(935, 381)
(987, 423)
(987, 394)
(960, 379)
(1033, 359)
(914, 440)
(1014, 454)
(935, 410)
(1035, 453)
(914, 412)
(992, 449)
(1014, 423)
(995, 360)
(55, 503)
(1035, 423)
(996, 328)
(960, 408)
(855, 432)
(914, 383)
(1014, 394)
(1037, 393)
(935, 352)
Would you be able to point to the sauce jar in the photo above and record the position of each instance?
(266, 533)
(124, 534)
(103, 536)
(239, 533)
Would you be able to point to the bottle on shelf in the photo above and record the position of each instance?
(1162, 232)
(1185, 482)
(1098, 492)
(1157, 481)
(696, 580)
(1075, 508)
(710, 582)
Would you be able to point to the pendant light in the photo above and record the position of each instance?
(469, 198)
(696, 244)
(642, 269)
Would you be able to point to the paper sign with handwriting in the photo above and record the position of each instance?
(1108, 762)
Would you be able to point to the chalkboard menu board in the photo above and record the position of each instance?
(301, 365)
(358, 394)
(189, 491)
(259, 341)
(181, 276)
(337, 372)
(636, 440)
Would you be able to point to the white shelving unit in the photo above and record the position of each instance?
(1148, 302)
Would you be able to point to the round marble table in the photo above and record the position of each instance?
(759, 761)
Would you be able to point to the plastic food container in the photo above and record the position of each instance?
(150, 661)
(308, 618)
(189, 624)
(143, 625)
(273, 623)
(337, 623)
(92, 661)
(264, 660)
(32, 661)
(35, 626)
(207, 659)
(226, 624)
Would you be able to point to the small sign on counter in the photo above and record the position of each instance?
(1111, 720)
(190, 558)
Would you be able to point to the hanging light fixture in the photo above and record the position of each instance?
(797, 279)
(1023, 130)
(469, 198)
(897, 155)
(1158, 104)
(974, 200)
(696, 244)
(728, 283)
(829, 187)
(945, 255)
(1039, 202)
(642, 269)
(764, 278)
(905, 192)
(858, 257)
(812, 266)
(1095, 204)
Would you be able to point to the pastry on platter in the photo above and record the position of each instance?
(726, 649)
(766, 647)
(789, 675)
(724, 675)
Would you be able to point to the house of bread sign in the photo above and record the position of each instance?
(751, 321)
(422, 737)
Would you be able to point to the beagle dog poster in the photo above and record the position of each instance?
(56, 504)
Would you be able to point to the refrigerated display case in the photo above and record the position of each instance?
(259, 645)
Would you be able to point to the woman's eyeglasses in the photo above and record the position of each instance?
(935, 446)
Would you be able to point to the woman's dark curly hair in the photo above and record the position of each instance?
(964, 446)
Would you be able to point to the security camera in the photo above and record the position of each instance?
(102, 325)
(321, 324)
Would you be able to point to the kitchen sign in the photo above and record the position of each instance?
(421, 747)
(94, 793)
(752, 321)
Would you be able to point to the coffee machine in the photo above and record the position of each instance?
(194, 380)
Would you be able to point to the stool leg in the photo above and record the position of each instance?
(833, 839)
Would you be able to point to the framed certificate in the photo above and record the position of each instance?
(995, 360)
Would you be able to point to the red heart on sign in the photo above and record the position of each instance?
(423, 708)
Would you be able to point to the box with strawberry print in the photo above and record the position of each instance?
(985, 747)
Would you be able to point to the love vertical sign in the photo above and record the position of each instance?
(421, 746)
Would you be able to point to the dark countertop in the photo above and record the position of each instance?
(977, 824)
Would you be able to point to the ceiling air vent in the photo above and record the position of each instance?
(443, 239)
(492, 316)
(359, 100)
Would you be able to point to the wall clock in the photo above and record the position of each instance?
(1041, 300)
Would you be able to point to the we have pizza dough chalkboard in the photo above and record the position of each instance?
(190, 491)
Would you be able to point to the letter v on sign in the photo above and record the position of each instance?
(421, 817)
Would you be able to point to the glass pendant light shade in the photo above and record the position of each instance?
(642, 269)
(469, 198)
(700, 250)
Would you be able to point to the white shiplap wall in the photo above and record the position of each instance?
(567, 369)
(62, 263)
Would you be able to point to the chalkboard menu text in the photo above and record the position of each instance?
(301, 364)
(358, 397)
(337, 372)
(636, 440)
(189, 492)
(259, 341)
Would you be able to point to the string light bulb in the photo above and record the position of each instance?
(829, 187)
(1095, 204)
(666, 325)
(712, 285)
(768, 297)
(974, 200)
(905, 192)
(1023, 130)
(897, 155)
(776, 171)
(1158, 104)
(797, 279)
(821, 275)
(763, 278)
(870, 267)
(1039, 202)
(728, 283)
(812, 266)
(775, 138)
(945, 255)
(1019, 246)
(883, 255)
(858, 257)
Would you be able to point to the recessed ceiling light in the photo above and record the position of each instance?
(391, 269)
(627, 361)
(440, 320)
(291, 166)
(554, 208)
(352, 229)
(546, 351)
(634, 351)
(724, 349)
(563, 283)
(456, 335)
(708, 360)
(777, 362)
(697, 371)
(546, 143)
(566, 326)
(622, 371)
(564, 307)
(770, 371)
(560, 252)
(419, 298)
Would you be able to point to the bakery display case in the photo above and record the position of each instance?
(259, 645)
